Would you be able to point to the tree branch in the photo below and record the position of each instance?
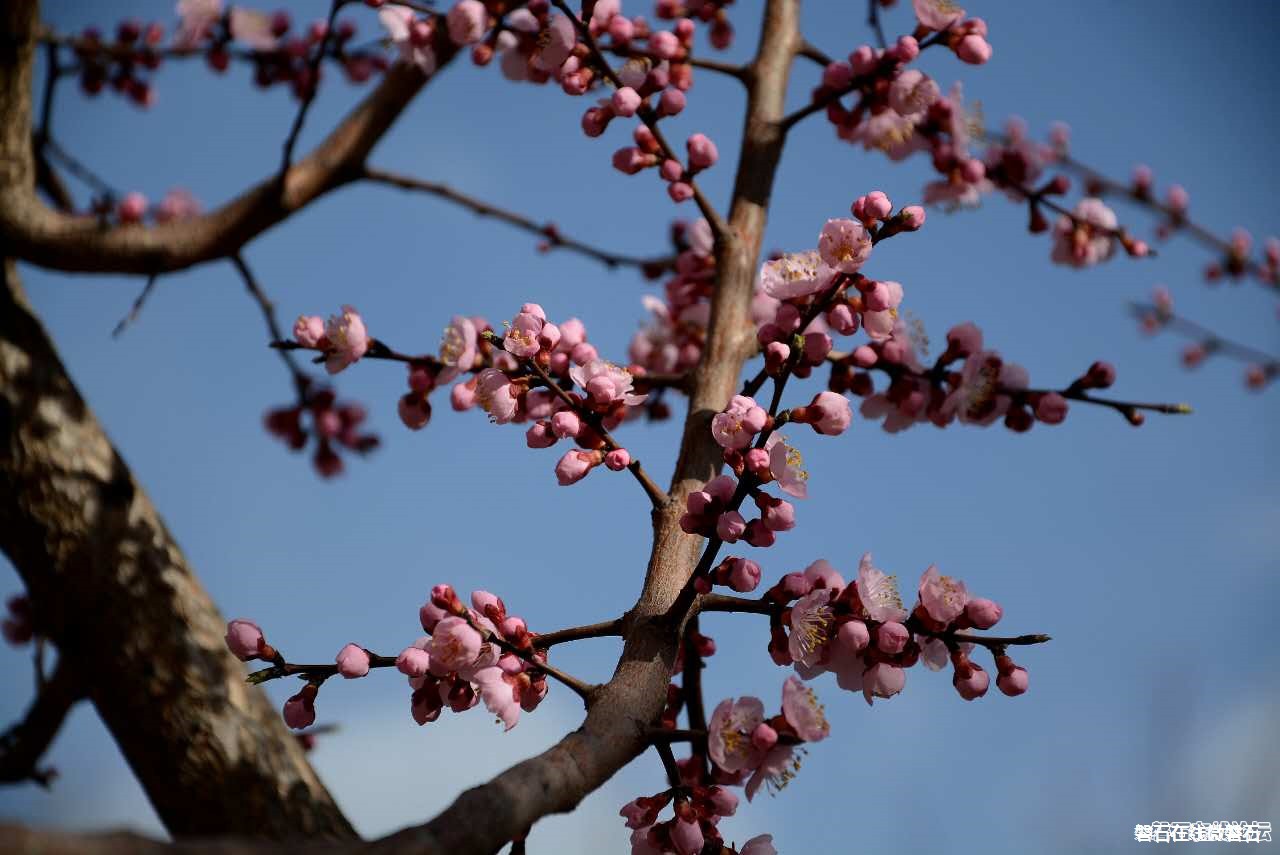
(22, 746)
(547, 231)
(31, 231)
(111, 588)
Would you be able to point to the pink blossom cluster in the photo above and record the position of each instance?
(696, 814)
(746, 748)
(460, 663)
(966, 37)
(177, 205)
(18, 626)
(672, 341)
(1156, 316)
(509, 390)
(716, 509)
(862, 633)
(985, 388)
(122, 62)
(343, 338)
(334, 424)
(278, 55)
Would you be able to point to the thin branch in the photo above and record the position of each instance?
(548, 231)
(313, 87)
(1207, 338)
(138, 303)
(729, 69)
(691, 689)
(718, 226)
(22, 745)
(873, 21)
(268, 308)
(604, 629)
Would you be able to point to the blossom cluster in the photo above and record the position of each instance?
(982, 390)
(862, 633)
(470, 655)
(1260, 369)
(334, 424)
(177, 205)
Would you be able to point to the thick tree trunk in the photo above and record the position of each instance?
(111, 588)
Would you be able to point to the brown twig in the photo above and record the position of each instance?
(22, 745)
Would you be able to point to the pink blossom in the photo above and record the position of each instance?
(555, 43)
(776, 769)
(739, 423)
(795, 275)
(605, 383)
(575, 465)
(498, 695)
(1087, 239)
(252, 27)
(686, 836)
(937, 14)
(787, 467)
(973, 49)
(743, 575)
(455, 645)
(197, 19)
(566, 424)
(244, 639)
(912, 92)
(878, 593)
(308, 330)
(178, 204)
(844, 245)
(132, 208)
(811, 626)
(617, 459)
(1051, 408)
(943, 597)
(347, 340)
(729, 733)
(496, 395)
(457, 348)
(521, 339)
(730, 526)
(467, 22)
(625, 102)
(892, 637)
(802, 711)
(761, 844)
(882, 680)
(352, 661)
(401, 25)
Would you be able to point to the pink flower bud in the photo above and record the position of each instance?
(853, 636)
(702, 151)
(414, 411)
(631, 160)
(877, 205)
(413, 662)
(244, 639)
(132, 208)
(566, 424)
(671, 170)
(664, 45)
(1012, 678)
(1051, 408)
(299, 710)
(671, 103)
(730, 526)
(575, 465)
(353, 661)
(679, 191)
(974, 685)
(906, 49)
(540, 435)
(687, 836)
(863, 60)
(892, 637)
(983, 613)
(912, 217)
(973, 49)
(308, 330)
(842, 319)
(462, 396)
(865, 356)
(595, 120)
(837, 75)
(743, 575)
(617, 460)
(723, 801)
(830, 414)
(626, 101)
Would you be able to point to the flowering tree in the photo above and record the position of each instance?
(734, 333)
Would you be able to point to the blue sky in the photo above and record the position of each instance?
(1150, 555)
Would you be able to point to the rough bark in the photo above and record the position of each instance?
(111, 588)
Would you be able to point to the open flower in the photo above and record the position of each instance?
(605, 383)
(878, 593)
(802, 711)
(797, 274)
(844, 245)
(729, 733)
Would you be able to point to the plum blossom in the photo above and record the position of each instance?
(798, 274)
(729, 733)
(937, 14)
(844, 245)
(942, 597)
(406, 33)
(245, 639)
(345, 338)
(196, 20)
(455, 645)
(554, 44)
(1086, 239)
(878, 593)
(605, 383)
(739, 423)
(802, 711)
(882, 680)
(496, 395)
(252, 28)
(787, 466)
(457, 348)
(811, 625)
(467, 22)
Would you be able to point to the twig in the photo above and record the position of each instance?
(268, 309)
(137, 306)
(547, 231)
(313, 87)
(873, 21)
(1208, 339)
(544, 640)
(22, 745)
(691, 689)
